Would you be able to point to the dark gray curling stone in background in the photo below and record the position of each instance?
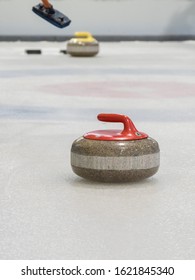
(114, 155)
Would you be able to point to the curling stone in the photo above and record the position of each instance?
(115, 155)
(83, 44)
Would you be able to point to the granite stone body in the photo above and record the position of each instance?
(78, 48)
(115, 161)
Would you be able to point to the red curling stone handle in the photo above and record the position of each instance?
(128, 133)
(128, 124)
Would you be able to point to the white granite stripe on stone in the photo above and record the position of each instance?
(115, 163)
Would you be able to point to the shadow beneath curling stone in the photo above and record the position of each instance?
(87, 184)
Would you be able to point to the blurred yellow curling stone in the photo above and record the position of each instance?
(83, 44)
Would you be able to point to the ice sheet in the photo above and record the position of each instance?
(49, 100)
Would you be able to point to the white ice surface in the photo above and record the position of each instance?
(49, 100)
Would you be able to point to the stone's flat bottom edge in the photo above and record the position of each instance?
(82, 54)
(114, 176)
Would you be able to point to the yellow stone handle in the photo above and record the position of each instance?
(84, 36)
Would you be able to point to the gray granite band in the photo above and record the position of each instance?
(116, 163)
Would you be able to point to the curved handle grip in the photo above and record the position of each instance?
(128, 124)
